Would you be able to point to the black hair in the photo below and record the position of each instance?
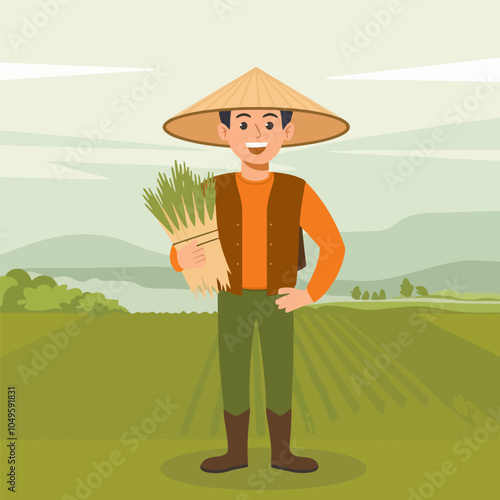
(225, 118)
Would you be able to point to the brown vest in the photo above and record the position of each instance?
(285, 245)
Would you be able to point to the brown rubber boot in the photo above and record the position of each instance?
(281, 456)
(237, 445)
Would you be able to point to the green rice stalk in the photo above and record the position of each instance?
(183, 193)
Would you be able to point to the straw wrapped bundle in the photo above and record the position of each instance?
(185, 207)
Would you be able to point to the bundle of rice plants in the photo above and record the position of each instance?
(184, 205)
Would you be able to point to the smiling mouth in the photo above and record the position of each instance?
(256, 148)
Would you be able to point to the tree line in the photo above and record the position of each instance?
(406, 290)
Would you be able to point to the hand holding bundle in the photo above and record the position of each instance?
(185, 207)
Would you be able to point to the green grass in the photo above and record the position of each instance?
(453, 295)
(50, 469)
(75, 408)
(423, 304)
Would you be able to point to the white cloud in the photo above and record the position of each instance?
(37, 162)
(469, 71)
(21, 162)
(46, 171)
(20, 71)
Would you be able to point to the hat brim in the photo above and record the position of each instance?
(310, 127)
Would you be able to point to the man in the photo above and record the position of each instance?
(260, 216)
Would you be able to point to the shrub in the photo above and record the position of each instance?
(11, 299)
(6, 282)
(356, 293)
(382, 294)
(406, 288)
(20, 275)
(45, 298)
(42, 280)
(375, 296)
(422, 291)
(98, 303)
(13, 294)
(18, 292)
(366, 295)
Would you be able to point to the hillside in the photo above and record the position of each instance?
(431, 248)
(418, 242)
(82, 251)
(465, 277)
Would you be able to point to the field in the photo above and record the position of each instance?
(127, 405)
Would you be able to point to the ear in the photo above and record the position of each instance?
(223, 131)
(289, 129)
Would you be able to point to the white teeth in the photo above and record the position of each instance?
(256, 144)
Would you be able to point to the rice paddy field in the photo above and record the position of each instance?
(394, 403)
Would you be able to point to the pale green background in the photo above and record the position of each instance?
(297, 42)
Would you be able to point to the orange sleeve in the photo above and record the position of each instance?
(320, 226)
(173, 259)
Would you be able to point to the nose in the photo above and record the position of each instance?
(258, 131)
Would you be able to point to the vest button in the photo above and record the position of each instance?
(270, 223)
(270, 244)
(237, 224)
(237, 244)
(270, 263)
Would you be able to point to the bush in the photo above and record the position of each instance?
(98, 303)
(12, 292)
(72, 306)
(11, 299)
(20, 275)
(356, 293)
(45, 298)
(6, 282)
(366, 295)
(422, 291)
(375, 296)
(406, 288)
(18, 293)
(42, 280)
(382, 294)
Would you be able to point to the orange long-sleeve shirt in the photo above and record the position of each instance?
(254, 197)
(314, 219)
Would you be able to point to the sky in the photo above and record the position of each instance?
(115, 71)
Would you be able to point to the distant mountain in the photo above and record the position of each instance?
(148, 277)
(82, 251)
(418, 242)
(464, 277)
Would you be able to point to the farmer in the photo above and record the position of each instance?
(260, 216)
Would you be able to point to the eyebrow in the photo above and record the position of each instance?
(244, 114)
(270, 114)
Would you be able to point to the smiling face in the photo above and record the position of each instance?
(255, 135)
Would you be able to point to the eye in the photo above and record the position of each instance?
(243, 125)
(269, 125)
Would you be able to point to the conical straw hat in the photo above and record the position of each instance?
(256, 90)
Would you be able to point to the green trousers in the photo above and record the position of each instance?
(237, 315)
